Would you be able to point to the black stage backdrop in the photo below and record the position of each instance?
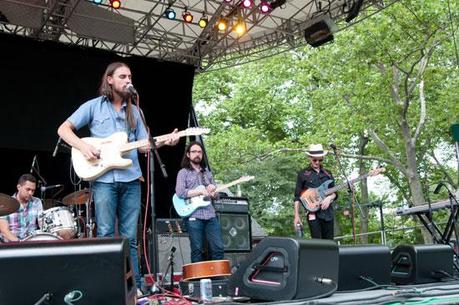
(44, 82)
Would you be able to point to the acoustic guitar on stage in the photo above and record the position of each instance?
(206, 269)
(311, 198)
(186, 207)
(112, 149)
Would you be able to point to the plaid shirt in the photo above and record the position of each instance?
(189, 179)
(24, 222)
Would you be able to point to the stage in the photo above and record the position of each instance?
(433, 293)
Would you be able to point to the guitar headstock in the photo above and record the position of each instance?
(196, 131)
(246, 178)
(376, 171)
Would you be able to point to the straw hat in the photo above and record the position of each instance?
(316, 150)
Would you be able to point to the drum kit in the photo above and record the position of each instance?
(68, 219)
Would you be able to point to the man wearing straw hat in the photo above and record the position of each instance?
(320, 222)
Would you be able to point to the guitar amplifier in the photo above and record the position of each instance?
(170, 226)
(231, 205)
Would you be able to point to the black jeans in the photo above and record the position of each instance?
(321, 229)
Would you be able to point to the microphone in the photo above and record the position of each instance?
(333, 146)
(33, 163)
(437, 189)
(49, 187)
(130, 88)
(56, 148)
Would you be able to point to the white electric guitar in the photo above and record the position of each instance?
(111, 150)
(186, 207)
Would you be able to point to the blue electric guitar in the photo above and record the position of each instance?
(185, 207)
(311, 198)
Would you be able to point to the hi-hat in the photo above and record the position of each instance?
(79, 197)
(8, 204)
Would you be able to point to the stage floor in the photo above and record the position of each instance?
(434, 293)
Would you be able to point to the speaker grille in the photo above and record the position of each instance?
(236, 231)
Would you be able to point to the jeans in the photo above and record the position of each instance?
(199, 230)
(119, 200)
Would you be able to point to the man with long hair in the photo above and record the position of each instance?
(22, 223)
(202, 224)
(117, 193)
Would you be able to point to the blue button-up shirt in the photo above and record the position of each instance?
(103, 120)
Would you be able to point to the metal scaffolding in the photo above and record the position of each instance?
(140, 27)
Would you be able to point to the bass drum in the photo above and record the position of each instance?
(38, 236)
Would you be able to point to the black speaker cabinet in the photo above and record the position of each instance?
(286, 268)
(236, 231)
(318, 33)
(363, 266)
(97, 270)
(418, 264)
(236, 258)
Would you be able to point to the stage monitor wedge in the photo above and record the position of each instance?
(363, 266)
(281, 268)
(420, 264)
(100, 269)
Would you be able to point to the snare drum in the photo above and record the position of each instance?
(58, 220)
(38, 235)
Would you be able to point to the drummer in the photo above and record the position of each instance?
(23, 222)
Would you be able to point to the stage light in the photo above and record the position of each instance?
(265, 7)
(116, 4)
(222, 24)
(97, 1)
(203, 21)
(187, 16)
(240, 28)
(247, 3)
(228, 1)
(170, 14)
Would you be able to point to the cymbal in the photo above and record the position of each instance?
(79, 197)
(8, 204)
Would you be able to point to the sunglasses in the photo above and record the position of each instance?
(317, 160)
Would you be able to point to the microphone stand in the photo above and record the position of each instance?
(153, 151)
(41, 181)
(350, 191)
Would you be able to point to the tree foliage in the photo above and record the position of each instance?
(392, 78)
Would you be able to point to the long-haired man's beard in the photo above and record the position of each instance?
(123, 94)
(196, 160)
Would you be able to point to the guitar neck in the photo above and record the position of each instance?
(142, 143)
(224, 186)
(343, 185)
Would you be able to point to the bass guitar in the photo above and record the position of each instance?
(111, 150)
(311, 198)
(186, 207)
